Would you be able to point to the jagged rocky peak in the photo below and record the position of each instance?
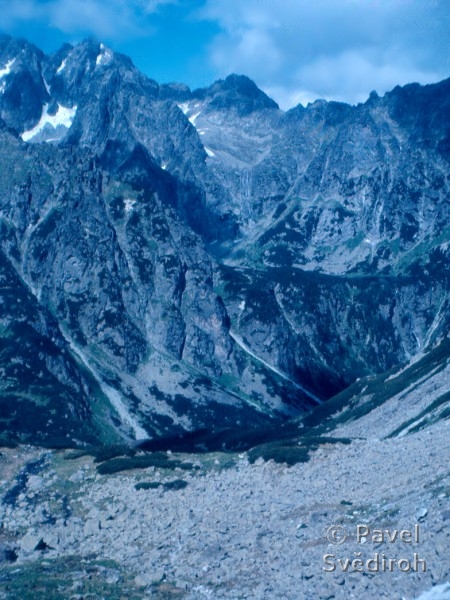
(236, 92)
(86, 55)
(424, 111)
(84, 77)
(100, 86)
(18, 54)
(373, 97)
(73, 70)
(30, 102)
(11, 48)
(22, 88)
(320, 111)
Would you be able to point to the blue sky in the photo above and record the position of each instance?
(296, 50)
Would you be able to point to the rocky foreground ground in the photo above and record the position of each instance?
(223, 528)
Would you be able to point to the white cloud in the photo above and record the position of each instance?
(106, 19)
(151, 6)
(94, 16)
(247, 49)
(27, 10)
(306, 49)
(288, 97)
(350, 76)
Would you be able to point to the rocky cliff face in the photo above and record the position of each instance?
(207, 259)
(45, 395)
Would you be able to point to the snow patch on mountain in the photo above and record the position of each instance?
(129, 204)
(7, 69)
(47, 87)
(184, 107)
(191, 110)
(61, 67)
(104, 57)
(63, 118)
(194, 118)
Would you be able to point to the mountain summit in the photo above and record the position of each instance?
(236, 92)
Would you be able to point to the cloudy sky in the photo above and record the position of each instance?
(296, 50)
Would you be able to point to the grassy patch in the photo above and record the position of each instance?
(68, 577)
(147, 485)
(158, 460)
(165, 590)
(109, 452)
(176, 484)
(280, 453)
(424, 418)
(291, 452)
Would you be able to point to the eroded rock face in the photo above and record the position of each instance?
(208, 259)
(45, 397)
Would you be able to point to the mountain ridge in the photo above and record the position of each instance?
(211, 255)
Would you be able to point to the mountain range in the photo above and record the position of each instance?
(175, 260)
